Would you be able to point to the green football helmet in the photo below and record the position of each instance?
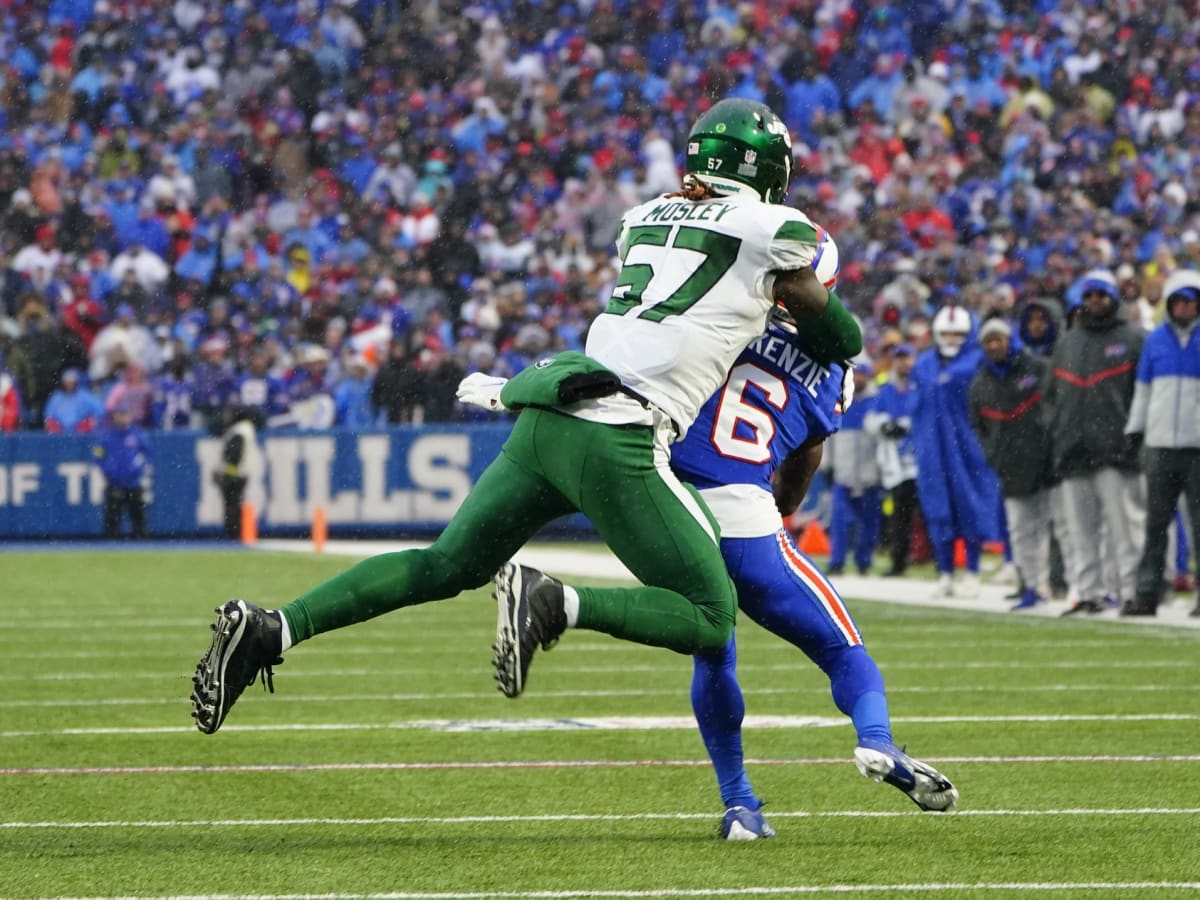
(742, 141)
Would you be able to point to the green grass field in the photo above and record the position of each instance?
(1075, 745)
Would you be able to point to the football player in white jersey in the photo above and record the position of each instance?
(700, 272)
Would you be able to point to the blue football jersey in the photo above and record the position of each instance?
(775, 398)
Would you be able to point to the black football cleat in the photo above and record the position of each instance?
(529, 614)
(245, 645)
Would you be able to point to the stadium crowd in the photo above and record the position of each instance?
(330, 211)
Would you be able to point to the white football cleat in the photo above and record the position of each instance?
(945, 585)
(924, 785)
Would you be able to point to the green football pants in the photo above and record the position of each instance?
(551, 465)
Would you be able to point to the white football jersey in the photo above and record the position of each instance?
(692, 292)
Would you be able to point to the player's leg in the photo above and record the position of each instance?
(112, 512)
(868, 515)
(137, 512)
(663, 532)
(620, 478)
(508, 504)
(719, 708)
(1165, 480)
(784, 591)
(841, 518)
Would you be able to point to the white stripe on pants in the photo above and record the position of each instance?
(1107, 507)
(1029, 537)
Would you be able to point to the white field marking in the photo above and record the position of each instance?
(605, 723)
(652, 893)
(633, 692)
(291, 768)
(670, 665)
(577, 817)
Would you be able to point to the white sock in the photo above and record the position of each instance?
(285, 635)
(570, 605)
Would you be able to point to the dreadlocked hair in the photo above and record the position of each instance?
(694, 189)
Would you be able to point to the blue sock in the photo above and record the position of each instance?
(870, 717)
(719, 707)
(858, 691)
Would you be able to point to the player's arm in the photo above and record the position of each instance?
(829, 330)
(794, 475)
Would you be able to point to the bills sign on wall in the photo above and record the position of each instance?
(402, 479)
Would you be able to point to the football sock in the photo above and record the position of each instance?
(719, 708)
(570, 605)
(858, 691)
(870, 717)
(285, 635)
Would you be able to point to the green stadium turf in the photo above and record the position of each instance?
(387, 765)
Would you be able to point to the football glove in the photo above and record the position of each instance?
(481, 390)
(847, 385)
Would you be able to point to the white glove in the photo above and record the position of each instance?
(847, 386)
(481, 390)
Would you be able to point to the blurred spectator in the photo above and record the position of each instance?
(957, 490)
(260, 394)
(133, 393)
(73, 409)
(854, 474)
(10, 401)
(1008, 414)
(1094, 367)
(1040, 324)
(352, 396)
(174, 395)
(123, 340)
(240, 459)
(890, 421)
(1162, 418)
(149, 269)
(123, 453)
(397, 388)
(50, 349)
(15, 363)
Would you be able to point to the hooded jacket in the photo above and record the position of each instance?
(1054, 312)
(1166, 395)
(1008, 413)
(1093, 371)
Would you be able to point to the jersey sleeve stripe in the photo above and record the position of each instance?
(796, 231)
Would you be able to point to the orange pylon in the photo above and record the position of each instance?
(813, 540)
(249, 524)
(320, 529)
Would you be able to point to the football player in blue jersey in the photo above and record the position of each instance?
(751, 454)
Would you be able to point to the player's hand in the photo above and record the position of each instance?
(481, 390)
